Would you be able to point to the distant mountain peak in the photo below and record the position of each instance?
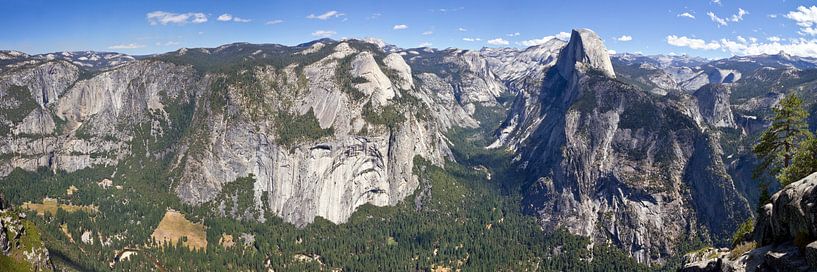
(585, 49)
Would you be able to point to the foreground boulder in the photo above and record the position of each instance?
(785, 236)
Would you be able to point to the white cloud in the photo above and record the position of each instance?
(718, 20)
(625, 38)
(806, 18)
(274, 22)
(126, 46)
(462, 29)
(399, 27)
(693, 43)
(751, 46)
(226, 17)
(611, 51)
(164, 18)
(562, 36)
(326, 15)
(324, 33)
(687, 14)
(513, 34)
(739, 17)
(717, 2)
(725, 21)
(802, 47)
(471, 39)
(424, 44)
(427, 33)
(498, 41)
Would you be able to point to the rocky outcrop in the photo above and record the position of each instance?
(791, 215)
(785, 236)
(20, 243)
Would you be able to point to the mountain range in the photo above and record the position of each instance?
(648, 154)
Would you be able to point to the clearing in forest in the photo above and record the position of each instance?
(51, 205)
(174, 226)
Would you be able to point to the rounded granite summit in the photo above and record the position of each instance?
(584, 50)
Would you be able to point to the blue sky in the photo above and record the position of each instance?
(718, 29)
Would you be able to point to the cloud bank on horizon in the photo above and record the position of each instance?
(714, 29)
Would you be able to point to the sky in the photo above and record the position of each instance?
(706, 28)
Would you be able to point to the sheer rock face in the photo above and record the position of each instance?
(616, 163)
(104, 118)
(585, 50)
(713, 103)
(91, 113)
(328, 177)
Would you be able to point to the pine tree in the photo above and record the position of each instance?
(778, 143)
(803, 163)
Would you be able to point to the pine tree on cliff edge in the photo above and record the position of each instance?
(779, 143)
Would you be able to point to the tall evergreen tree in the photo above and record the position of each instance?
(778, 143)
(803, 163)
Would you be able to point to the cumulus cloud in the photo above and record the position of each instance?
(687, 15)
(562, 36)
(717, 2)
(625, 38)
(498, 41)
(725, 21)
(806, 18)
(513, 34)
(611, 51)
(399, 27)
(750, 46)
(274, 22)
(426, 33)
(803, 48)
(693, 43)
(226, 17)
(326, 15)
(462, 29)
(164, 18)
(324, 33)
(424, 44)
(126, 46)
(471, 39)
